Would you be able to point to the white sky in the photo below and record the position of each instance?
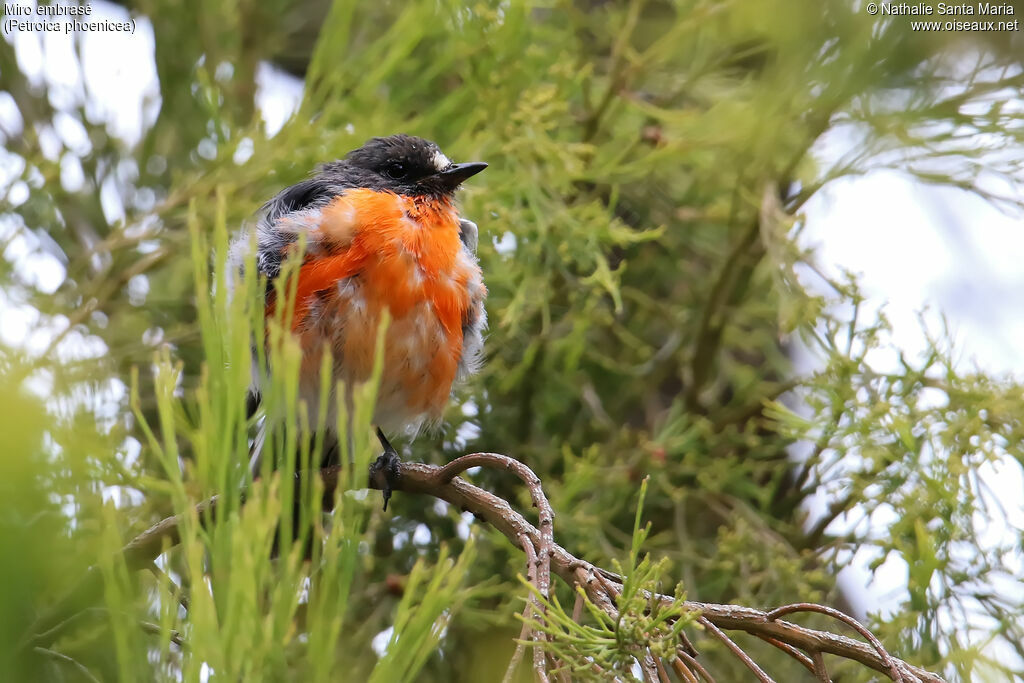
(914, 246)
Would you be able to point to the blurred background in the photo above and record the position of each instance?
(766, 254)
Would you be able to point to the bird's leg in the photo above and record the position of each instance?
(384, 470)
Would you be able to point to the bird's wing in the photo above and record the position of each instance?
(290, 212)
(308, 193)
(474, 319)
(469, 234)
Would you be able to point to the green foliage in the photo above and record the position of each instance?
(612, 648)
(261, 590)
(648, 165)
(912, 442)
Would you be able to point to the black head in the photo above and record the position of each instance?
(407, 165)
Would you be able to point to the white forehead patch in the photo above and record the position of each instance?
(441, 162)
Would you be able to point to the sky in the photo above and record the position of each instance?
(920, 251)
(923, 252)
(938, 259)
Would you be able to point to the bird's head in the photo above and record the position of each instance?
(409, 165)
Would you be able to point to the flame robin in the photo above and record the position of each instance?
(382, 233)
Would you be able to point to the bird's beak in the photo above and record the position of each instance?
(454, 175)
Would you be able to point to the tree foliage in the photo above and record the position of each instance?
(640, 224)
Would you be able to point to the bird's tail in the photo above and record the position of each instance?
(252, 404)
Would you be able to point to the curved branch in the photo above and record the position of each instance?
(423, 478)
(545, 515)
(893, 672)
(601, 586)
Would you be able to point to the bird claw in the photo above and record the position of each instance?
(384, 473)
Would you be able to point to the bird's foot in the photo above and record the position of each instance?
(384, 473)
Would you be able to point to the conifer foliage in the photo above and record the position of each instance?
(639, 234)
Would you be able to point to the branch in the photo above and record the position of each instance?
(602, 587)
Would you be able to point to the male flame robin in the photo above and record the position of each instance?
(382, 233)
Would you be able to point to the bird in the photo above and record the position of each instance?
(382, 233)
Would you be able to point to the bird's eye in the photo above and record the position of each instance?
(396, 170)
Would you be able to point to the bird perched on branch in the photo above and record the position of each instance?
(382, 234)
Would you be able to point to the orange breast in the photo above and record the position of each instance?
(376, 251)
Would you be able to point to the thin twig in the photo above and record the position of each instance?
(51, 634)
(158, 630)
(539, 668)
(517, 655)
(70, 661)
(577, 608)
(791, 651)
(177, 591)
(737, 650)
(662, 674)
(691, 660)
(683, 671)
(819, 667)
(646, 662)
(742, 259)
(40, 640)
(560, 672)
(687, 646)
(526, 633)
